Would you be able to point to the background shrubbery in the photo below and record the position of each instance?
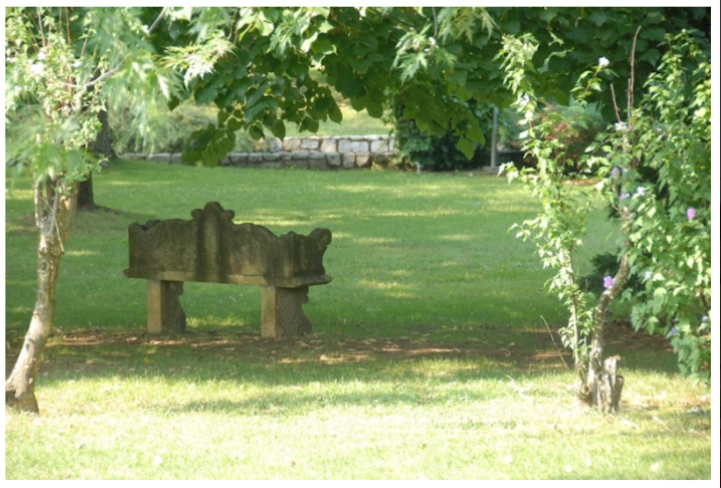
(439, 152)
(575, 127)
(162, 130)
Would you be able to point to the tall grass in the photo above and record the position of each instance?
(429, 357)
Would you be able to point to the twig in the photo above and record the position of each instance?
(631, 80)
(40, 25)
(67, 22)
(615, 105)
(560, 355)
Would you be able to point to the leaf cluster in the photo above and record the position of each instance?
(258, 60)
(670, 230)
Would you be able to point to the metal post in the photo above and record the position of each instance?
(494, 139)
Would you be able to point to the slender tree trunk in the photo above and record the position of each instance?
(600, 384)
(55, 214)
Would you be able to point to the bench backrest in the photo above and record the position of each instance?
(211, 248)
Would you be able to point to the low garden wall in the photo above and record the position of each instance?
(314, 152)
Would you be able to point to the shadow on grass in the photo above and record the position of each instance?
(398, 371)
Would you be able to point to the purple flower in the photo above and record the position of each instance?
(615, 171)
(624, 196)
(673, 331)
(691, 213)
(641, 191)
(608, 282)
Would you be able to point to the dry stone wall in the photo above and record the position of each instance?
(314, 152)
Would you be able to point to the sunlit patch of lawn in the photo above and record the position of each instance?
(429, 357)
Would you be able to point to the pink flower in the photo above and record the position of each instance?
(624, 196)
(641, 191)
(691, 213)
(608, 282)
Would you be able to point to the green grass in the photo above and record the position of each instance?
(429, 357)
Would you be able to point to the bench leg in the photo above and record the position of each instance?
(165, 314)
(282, 312)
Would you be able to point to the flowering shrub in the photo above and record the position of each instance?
(671, 216)
(664, 222)
(559, 229)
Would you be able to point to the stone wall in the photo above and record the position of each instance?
(315, 152)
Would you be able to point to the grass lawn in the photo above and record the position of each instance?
(429, 357)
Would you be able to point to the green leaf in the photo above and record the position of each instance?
(650, 55)
(598, 17)
(335, 114)
(475, 133)
(278, 129)
(206, 95)
(323, 45)
(222, 117)
(459, 76)
(467, 147)
(653, 33)
(234, 124)
(511, 26)
(255, 132)
(375, 109)
(252, 111)
(358, 103)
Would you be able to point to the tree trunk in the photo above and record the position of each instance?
(55, 216)
(103, 143)
(86, 200)
(600, 384)
(102, 147)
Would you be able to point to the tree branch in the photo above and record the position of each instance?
(615, 105)
(157, 21)
(40, 25)
(631, 80)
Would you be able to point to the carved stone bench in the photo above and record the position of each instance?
(211, 248)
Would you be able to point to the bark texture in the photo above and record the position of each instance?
(55, 212)
(601, 385)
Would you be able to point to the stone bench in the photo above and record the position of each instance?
(211, 248)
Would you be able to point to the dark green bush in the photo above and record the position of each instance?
(439, 152)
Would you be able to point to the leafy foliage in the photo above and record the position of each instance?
(441, 152)
(430, 61)
(575, 127)
(64, 66)
(49, 85)
(664, 221)
(559, 229)
(671, 232)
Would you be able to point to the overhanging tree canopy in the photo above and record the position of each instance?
(255, 63)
